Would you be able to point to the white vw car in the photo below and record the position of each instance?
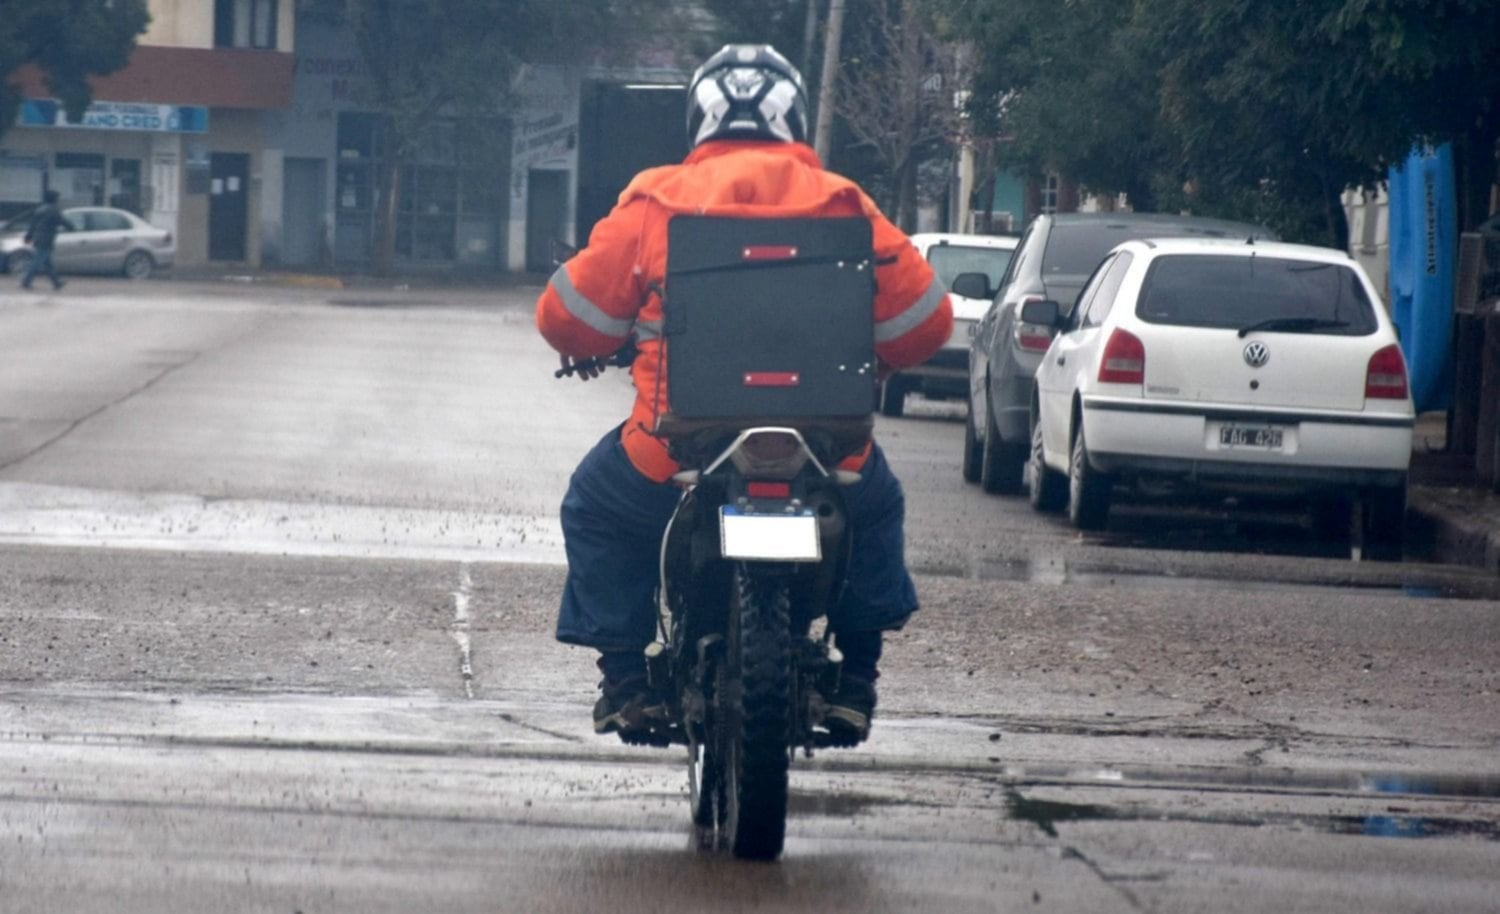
(1225, 367)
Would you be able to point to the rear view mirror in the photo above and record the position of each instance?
(562, 252)
(1046, 312)
(971, 285)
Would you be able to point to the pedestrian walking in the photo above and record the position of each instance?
(42, 235)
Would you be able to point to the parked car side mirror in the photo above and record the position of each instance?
(562, 252)
(971, 285)
(1047, 313)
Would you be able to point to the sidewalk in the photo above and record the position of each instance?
(1451, 518)
(330, 279)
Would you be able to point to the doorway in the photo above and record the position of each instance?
(546, 216)
(302, 213)
(228, 205)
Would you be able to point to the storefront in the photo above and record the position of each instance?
(176, 137)
(452, 189)
(121, 154)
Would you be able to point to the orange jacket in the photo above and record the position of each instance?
(595, 300)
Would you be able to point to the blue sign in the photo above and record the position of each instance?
(133, 116)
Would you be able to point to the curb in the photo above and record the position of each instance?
(1450, 534)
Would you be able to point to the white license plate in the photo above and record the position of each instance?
(768, 537)
(1255, 437)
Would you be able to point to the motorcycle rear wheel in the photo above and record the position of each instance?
(756, 727)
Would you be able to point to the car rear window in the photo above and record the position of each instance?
(1202, 290)
(951, 260)
(1075, 249)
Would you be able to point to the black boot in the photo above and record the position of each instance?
(851, 708)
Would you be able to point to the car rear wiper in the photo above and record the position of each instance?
(1293, 325)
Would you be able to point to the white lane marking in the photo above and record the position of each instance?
(460, 629)
(35, 514)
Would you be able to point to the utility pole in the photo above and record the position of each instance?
(827, 85)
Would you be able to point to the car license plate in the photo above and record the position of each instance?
(769, 537)
(1258, 437)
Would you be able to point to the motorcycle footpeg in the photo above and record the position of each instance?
(836, 739)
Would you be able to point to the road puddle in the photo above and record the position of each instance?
(1394, 822)
(1393, 580)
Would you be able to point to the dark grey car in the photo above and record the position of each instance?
(1055, 258)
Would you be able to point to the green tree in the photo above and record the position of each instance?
(1326, 93)
(1227, 107)
(459, 58)
(69, 41)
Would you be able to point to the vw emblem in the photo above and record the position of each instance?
(1256, 354)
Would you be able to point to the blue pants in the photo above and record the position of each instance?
(613, 519)
(41, 262)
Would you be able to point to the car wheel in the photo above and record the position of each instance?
(1001, 465)
(1088, 489)
(138, 265)
(973, 448)
(19, 261)
(1048, 488)
(1383, 524)
(893, 398)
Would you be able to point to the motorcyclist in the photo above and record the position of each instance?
(747, 123)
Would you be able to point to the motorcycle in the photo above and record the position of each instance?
(756, 550)
(769, 328)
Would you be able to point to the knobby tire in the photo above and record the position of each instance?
(759, 718)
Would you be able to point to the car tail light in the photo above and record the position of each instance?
(1385, 379)
(1124, 360)
(1032, 337)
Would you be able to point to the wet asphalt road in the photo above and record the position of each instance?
(279, 567)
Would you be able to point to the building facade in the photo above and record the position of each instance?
(177, 136)
(249, 133)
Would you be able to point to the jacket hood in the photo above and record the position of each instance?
(746, 178)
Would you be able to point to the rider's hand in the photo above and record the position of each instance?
(585, 369)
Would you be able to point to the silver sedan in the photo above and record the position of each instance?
(96, 239)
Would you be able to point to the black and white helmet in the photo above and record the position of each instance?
(745, 92)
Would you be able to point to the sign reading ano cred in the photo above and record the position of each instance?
(117, 116)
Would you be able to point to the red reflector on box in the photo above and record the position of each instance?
(772, 379)
(769, 489)
(770, 252)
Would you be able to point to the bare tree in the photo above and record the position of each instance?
(898, 96)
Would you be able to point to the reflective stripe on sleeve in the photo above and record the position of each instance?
(908, 320)
(647, 330)
(586, 311)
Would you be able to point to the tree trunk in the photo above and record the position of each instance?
(906, 195)
(383, 257)
(1334, 218)
(1476, 167)
(809, 37)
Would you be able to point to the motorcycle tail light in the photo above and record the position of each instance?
(769, 489)
(770, 455)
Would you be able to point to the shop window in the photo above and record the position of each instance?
(78, 178)
(245, 24)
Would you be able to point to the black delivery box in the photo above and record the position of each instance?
(769, 317)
